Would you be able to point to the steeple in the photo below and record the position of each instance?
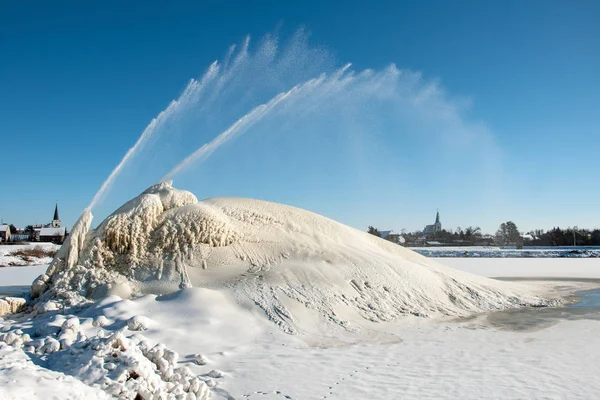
(56, 213)
(56, 220)
(437, 217)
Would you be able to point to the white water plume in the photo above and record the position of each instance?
(231, 87)
(295, 88)
(188, 98)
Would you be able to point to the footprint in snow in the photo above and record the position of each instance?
(271, 395)
(331, 388)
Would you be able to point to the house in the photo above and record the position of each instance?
(435, 228)
(485, 240)
(4, 233)
(53, 232)
(393, 237)
(54, 235)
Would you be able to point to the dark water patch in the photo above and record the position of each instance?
(589, 299)
(583, 305)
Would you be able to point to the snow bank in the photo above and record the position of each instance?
(280, 258)
(124, 367)
(22, 379)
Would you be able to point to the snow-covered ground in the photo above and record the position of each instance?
(17, 271)
(20, 378)
(415, 359)
(370, 319)
(8, 258)
(248, 357)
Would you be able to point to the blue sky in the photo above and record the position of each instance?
(80, 82)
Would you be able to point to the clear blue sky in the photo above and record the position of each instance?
(79, 82)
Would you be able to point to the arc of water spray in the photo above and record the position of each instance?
(244, 123)
(190, 95)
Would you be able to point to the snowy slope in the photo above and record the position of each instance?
(283, 259)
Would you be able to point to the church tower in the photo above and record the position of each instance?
(56, 220)
(438, 224)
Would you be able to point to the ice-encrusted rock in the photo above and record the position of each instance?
(71, 324)
(39, 285)
(215, 373)
(200, 359)
(100, 321)
(11, 305)
(139, 323)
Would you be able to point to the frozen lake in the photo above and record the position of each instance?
(498, 252)
(16, 280)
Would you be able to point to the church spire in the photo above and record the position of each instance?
(437, 217)
(56, 213)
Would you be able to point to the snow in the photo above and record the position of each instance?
(60, 231)
(20, 378)
(174, 298)
(246, 356)
(281, 258)
(434, 362)
(6, 257)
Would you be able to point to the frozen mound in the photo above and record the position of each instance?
(281, 258)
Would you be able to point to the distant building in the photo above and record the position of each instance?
(55, 221)
(54, 235)
(393, 237)
(53, 232)
(435, 228)
(4, 233)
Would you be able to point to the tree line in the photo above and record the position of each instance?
(565, 237)
(507, 235)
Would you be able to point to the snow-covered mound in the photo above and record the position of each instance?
(281, 258)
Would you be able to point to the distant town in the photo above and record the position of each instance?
(433, 235)
(508, 234)
(52, 232)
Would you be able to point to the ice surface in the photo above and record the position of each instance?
(580, 268)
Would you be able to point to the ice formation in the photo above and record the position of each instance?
(125, 367)
(275, 256)
(11, 305)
